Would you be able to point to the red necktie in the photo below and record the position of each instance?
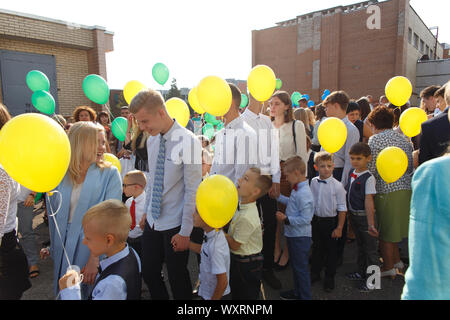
(354, 176)
(133, 214)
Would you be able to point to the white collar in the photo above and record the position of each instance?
(140, 197)
(105, 263)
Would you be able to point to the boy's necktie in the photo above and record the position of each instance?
(133, 214)
(159, 180)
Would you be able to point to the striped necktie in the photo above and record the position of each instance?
(157, 191)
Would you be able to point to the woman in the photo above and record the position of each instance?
(104, 120)
(88, 182)
(392, 202)
(14, 279)
(320, 116)
(84, 113)
(312, 122)
(364, 107)
(136, 143)
(300, 114)
(292, 142)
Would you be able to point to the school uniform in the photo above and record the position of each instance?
(137, 211)
(359, 185)
(119, 278)
(215, 259)
(246, 262)
(329, 199)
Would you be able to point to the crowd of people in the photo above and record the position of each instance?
(298, 205)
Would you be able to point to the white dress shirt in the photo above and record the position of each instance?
(268, 143)
(235, 150)
(9, 191)
(329, 197)
(287, 146)
(139, 210)
(182, 176)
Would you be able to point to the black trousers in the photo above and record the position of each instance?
(197, 238)
(324, 248)
(267, 208)
(136, 244)
(157, 249)
(245, 278)
(14, 279)
(337, 174)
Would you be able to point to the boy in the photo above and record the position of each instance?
(245, 237)
(214, 261)
(297, 229)
(328, 221)
(360, 192)
(106, 228)
(134, 184)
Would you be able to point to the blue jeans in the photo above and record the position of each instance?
(299, 254)
(29, 235)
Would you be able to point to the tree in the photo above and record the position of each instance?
(174, 92)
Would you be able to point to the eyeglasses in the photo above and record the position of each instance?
(126, 185)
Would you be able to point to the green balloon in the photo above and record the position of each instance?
(279, 84)
(36, 80)
(296, 96)
(160, 73)
(220, 126)
(211, 119)
(244, 100)
(96, 89)
(208, 130)
(43, 101)
(119, 128)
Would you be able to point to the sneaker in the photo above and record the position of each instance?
(288, 295)
(328, 285)
(271, 279)
(355, 276)
(363, 287)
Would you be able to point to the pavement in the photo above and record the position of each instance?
(42, 286)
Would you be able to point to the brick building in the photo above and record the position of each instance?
(335, 49)
(65, 52)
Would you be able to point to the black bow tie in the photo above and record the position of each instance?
(205, 238)
(99, 268)
(322, 181)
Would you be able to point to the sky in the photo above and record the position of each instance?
(193, 38)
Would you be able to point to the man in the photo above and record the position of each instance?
(269, 163)
(439, 95)
(371, 102)
(428, 99)
(235, 147)
(303, 103)
(435, 133)
(175, 172)
(384, 101)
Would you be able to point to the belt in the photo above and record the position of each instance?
(325, 218)
(360, 213)
(250, 258)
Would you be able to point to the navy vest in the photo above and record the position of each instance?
(356, 196)
(128, 269)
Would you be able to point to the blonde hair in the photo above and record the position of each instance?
(263, 182)
(149, 99)
(137, 177)
(295, 163)
(301, 115)
(322, 156)
(447, 93)
(83, 137)
(113, 217)
(312, 118)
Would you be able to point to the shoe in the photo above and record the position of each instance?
(288, 295)
(363, 287)
(197, 285)
(355, 276)
(328, 285)
(279, 267)
(315, 278)
(389, 273)
(271, 279)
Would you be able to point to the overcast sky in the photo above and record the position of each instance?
(193, 38)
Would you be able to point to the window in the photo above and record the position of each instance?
(410, 35)
(422, 46)
(416, 41)
(427, 50)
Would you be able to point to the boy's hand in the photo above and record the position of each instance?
(44, 253)
(337, 233)
(373, 231)
(70, 279)
(90, 270)
(281, 216)
(29, 201)
(142, 222)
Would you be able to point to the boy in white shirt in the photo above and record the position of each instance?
(214, 262)
(134, 187)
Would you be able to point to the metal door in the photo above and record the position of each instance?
(14, 67)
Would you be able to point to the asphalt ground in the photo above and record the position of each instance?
(345, 289)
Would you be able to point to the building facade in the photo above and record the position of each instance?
(356, 48)
(64, 51)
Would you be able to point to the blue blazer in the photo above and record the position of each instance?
(98, 186)
(435, 137)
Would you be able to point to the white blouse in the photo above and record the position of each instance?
(9, 191)
(287, 147)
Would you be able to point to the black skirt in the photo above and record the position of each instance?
(14, 276)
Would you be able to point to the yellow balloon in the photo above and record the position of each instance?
(179, 110)
(411, 121)
(35, 151)
(193, 101)
(262, 82)
(392, 163)
(113, 160)
(214, 95)
(332, 134)
(131, 89)
(216, 200)
(398, 91)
